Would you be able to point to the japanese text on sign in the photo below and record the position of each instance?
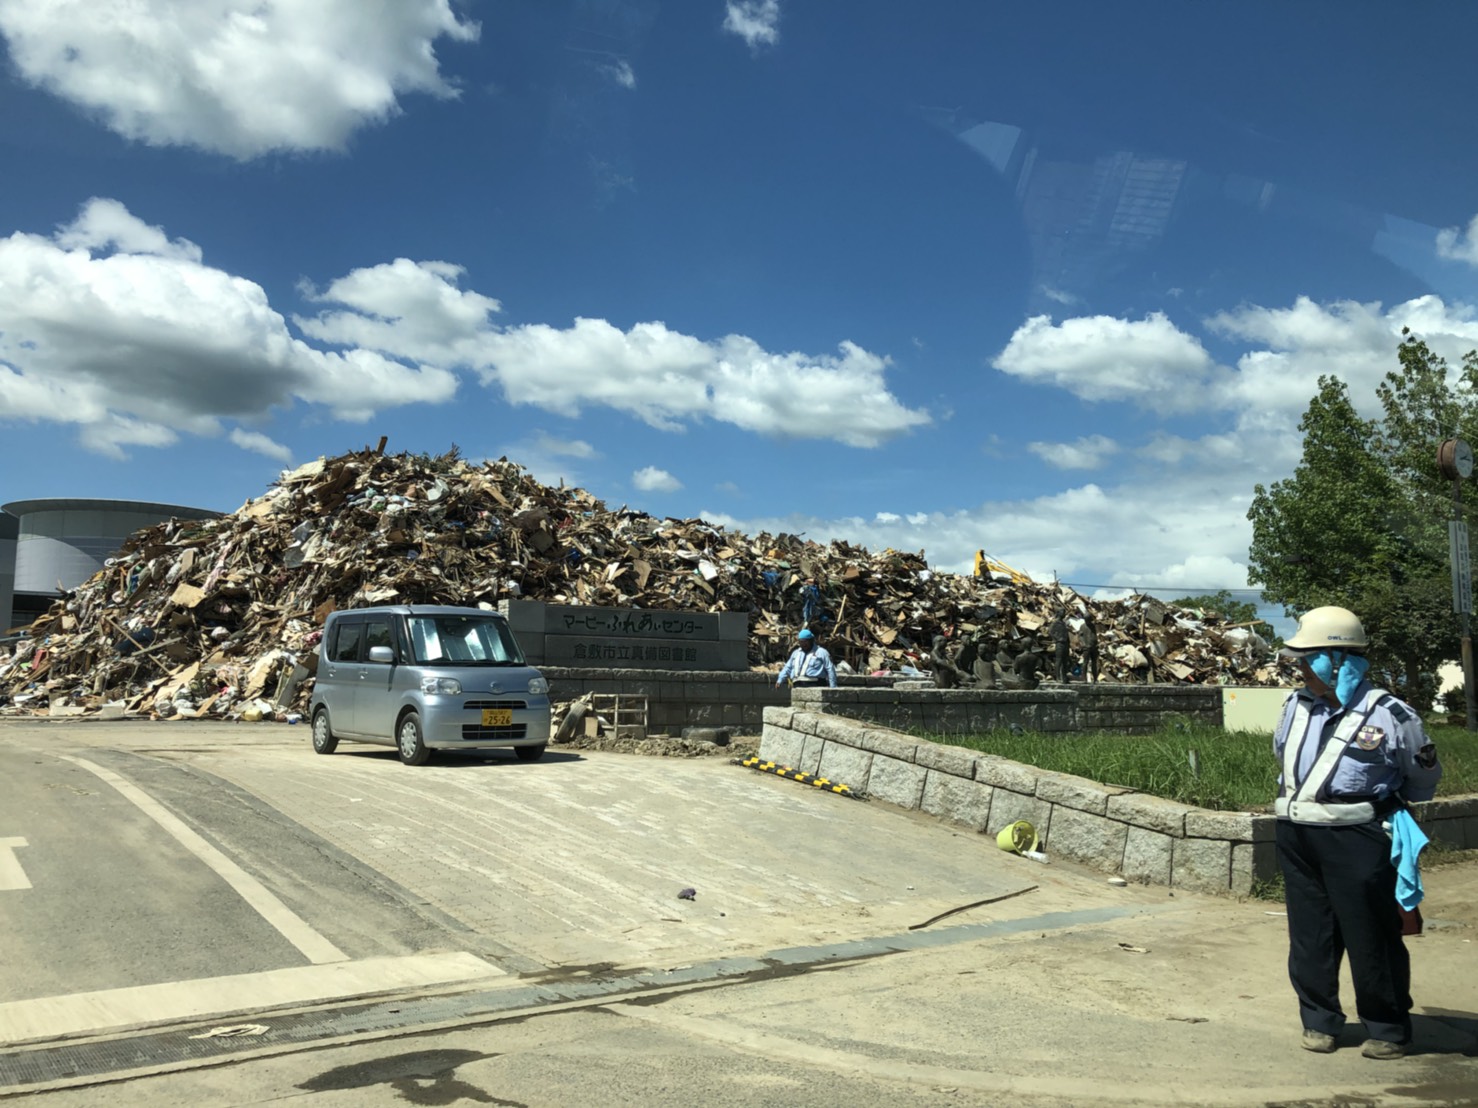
(626, 623)
(606, 652)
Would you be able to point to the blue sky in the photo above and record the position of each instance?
(1054, 280)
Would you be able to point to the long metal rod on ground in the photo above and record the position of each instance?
(976, 904)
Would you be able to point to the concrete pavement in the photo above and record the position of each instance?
(1186, 1006)
(1074, 993)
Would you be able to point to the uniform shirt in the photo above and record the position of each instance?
(814, 663)
(1379, 762)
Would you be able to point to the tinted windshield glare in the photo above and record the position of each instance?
(459, 640)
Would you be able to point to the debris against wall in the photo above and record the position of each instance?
(222, 617)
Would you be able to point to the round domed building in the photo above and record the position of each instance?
(49, 546)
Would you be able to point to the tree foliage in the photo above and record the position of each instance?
(1362, 522)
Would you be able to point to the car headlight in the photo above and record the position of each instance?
(441, 686)
(538, 686)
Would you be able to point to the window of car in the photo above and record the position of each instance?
(463, 640)
(377, 633)
(346, 644)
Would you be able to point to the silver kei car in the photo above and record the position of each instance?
(423, 678)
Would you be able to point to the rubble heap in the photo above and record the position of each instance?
(222, 617)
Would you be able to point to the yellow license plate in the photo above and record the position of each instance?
(497, 717)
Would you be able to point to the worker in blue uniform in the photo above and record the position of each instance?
(1351, 756)
(809, 665)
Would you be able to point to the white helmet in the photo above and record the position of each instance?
(1328, 628)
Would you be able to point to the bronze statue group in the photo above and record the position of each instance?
(989, 661)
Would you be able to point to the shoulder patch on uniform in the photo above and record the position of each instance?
(1399, 712)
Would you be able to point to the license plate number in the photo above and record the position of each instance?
(497, 717)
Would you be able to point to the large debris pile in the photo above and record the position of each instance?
(222, 617)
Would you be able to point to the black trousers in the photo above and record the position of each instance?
(1340, 888)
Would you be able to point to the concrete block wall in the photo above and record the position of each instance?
(716, 698)
(676, 699)
(1141, 837)
(1452, 821)
(1136, 709)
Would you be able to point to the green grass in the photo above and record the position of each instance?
(1236, 768)
(1458, 749)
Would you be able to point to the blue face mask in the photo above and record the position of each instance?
(1351, 673)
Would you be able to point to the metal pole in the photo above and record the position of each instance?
(1468, 690)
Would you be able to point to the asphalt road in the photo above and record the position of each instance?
(114, 900)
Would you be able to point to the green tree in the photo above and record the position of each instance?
(1363, 520)
(1223, 604)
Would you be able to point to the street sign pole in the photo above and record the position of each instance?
(1462, 595)
(1455, 461)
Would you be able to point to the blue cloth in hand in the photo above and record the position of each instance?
(1407, 841)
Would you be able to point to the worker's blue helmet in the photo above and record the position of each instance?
(805, 634)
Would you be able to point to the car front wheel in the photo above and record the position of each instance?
(324, 739)
(529, 753)
(409, 741)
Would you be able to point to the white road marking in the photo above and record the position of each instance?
(294, 929)
(113, 1009)
(11, 874)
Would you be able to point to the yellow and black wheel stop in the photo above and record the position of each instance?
(796, 775)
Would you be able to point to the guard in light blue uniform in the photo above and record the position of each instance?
(1351, 755)
(809, 665)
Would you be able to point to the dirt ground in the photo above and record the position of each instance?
(665, 746)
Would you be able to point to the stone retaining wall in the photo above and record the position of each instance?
(1114, 829)
(1131, 708)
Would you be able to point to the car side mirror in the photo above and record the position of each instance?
(381, 654)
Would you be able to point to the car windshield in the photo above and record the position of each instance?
(463, 641)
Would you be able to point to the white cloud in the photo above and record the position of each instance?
(1057, 296)
(1355, 342)
(551, 459)
(1228, 451)
(1149, 362)
(1086, 453)
(755, 21)
(238, 77)
(1459, 244)
(622, 73)
(404, 309)
(652, 479)
(1183, 526)
(111, 320)
(111, 432)
(259, 443)
(563, 448)
(116, 329)
(414, 311)
(1159, 367)
(105, 225)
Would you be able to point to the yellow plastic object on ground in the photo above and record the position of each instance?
(1018, 837)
